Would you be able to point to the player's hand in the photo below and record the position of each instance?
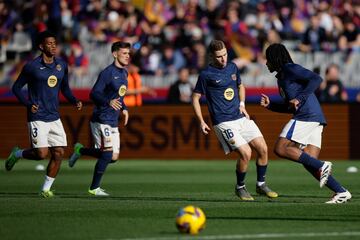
(115, 104)
(294, 104)
(243, 111)
(79, 105)
(204, 128)
(34, 108)
(265, 101)
(126, 115)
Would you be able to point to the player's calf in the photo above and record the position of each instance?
(325, 172)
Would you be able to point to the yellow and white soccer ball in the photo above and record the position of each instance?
(190, 219)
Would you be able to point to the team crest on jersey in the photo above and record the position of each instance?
(229, 94)
(232, 141)
(107, 140)
(58, 67)
(52, 81)
(122, 90)
(233, 77)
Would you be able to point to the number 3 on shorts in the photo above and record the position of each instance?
(34, 132)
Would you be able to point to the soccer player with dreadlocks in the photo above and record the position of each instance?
(300, 139)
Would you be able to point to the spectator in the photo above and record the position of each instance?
(332, 90)
(350, 38)
(181, 90)
(20, 42)
(78, 61)
(271, 37)
(147, 59)
(135, 88)
(314, 37)
(172, 60)
(156, 36)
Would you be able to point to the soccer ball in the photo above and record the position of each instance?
(190, 219)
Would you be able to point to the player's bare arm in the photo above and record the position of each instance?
(242, 101)
(126, 115)
(197, 108)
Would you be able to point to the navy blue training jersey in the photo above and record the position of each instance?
(220, 86)
(112, 83)
(294, 81)
(44, 82)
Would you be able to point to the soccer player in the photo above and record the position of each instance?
(300, 139)
(108, 95)
(45, 77)
(225, 94)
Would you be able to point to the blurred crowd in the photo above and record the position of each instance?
(169, 35)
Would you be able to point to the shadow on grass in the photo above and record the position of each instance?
(283, 199)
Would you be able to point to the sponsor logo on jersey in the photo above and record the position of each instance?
(58, 67)
(122, 90)
(233, 77)
(107, 140)
(232, 141)
(229, 94)
(52, 81)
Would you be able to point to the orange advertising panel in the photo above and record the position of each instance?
(172, 132)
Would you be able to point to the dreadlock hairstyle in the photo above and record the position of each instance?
(278, 56)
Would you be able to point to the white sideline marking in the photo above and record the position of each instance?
(249, 236)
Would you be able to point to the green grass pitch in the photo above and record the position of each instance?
(146, 195)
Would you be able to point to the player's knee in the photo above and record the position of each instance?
(248, 156)
(263, 150)
(42, 153)
(115, 156)
(58, 153)
(107, 154)
(280, 151)
(245, 155)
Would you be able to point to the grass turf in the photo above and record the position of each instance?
(146, 195)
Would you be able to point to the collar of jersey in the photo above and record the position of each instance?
(51, 65)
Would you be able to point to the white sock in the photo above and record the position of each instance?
(259, 183)
(19, 153)
(48, 182)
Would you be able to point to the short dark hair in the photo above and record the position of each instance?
(216, 45)
(43, 35)
(278, 55)
(119, 44)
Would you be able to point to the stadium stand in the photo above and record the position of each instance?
(247, 27)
